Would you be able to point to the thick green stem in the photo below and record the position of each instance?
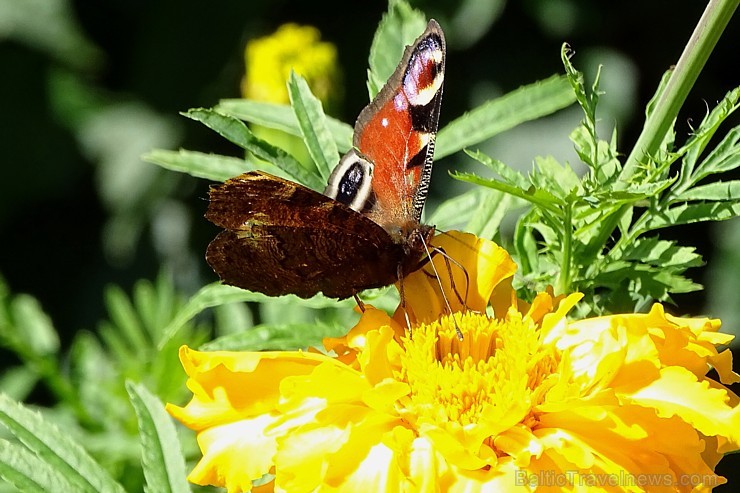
(706, 34)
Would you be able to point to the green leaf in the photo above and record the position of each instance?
(201, 165)
(211, 295)
(662, 253)
(312, 121)
(509, 175)
(538, 196)
(164, 466)
(696, 144)
(559, 180)
(125, 318)
(723, 158)
(692, 213)
(56, 449)
(275, 338)
(400, 26)
(282, 117)
(238, 133)
(478, 211)
(716, 192)
(521, 105)
(33, 325)
(29, 473)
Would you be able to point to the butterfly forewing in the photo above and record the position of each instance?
(396, 132)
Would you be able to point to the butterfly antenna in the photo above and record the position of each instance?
(359, 303)
(441, 289)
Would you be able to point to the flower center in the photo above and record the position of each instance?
(496, 370)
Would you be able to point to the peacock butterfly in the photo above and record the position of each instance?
(365, 231)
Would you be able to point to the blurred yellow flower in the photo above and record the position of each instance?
(270, 59)
(526, 401)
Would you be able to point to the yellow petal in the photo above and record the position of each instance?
(234, 454)
(678, 393)
(468, 280)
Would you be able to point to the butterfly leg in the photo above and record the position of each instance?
(402, 295)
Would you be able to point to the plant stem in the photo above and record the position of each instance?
(564, 278)
(705, 36)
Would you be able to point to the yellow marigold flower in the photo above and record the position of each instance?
(526, 401)
(270, 59)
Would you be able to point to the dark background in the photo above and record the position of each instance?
(167, 56)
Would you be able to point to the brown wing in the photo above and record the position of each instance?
(282, 237)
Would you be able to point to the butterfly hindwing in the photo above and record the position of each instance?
(394, 140)
(282, 237)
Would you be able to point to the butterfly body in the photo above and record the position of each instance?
(365, 232)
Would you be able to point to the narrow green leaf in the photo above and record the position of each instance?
(282, 117)
(274, 337)
(211, 295)
(717, 192)
(34, 325)
(29, 473)
(312, 121)
(56, 448)
(18, 382)
(521, 105)
(400, 26)
(162, 460)
(692, 213)
(508, 174)
(238, 133)
(199, 164)
(538, 196)
(723, 158)
(125, 318)
(696, 144)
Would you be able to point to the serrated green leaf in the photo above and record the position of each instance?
(692, 213)
(662, 253)
(559, 180)
(508, 174)
(541, 197)
(235, 131)
(29, 473)
(400, 26)
(600, 156)
(275, 337)
(312, 122)
(56, 449)
(493, 117)
(201, 165)
(162, 460)
(282, 117)
(716, 192)
(723, 158)
(695, 145)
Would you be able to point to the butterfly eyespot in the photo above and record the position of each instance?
(351, 182)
